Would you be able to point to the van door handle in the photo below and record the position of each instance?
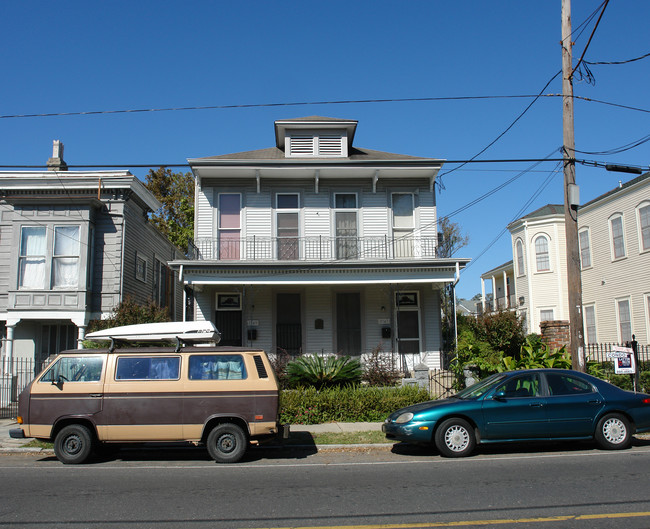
(96, 395)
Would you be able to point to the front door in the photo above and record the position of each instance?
(229, 324)
(288, 329)
(348, 323)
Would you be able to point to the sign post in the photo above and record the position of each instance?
(624, 362)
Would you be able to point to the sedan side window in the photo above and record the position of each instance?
(559, 384)
(524, 386)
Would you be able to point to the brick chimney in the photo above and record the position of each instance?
(56, 163)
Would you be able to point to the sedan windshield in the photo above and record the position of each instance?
(480, 388)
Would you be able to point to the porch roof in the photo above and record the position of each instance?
(310, 273)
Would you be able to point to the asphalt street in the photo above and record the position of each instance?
(567, 486)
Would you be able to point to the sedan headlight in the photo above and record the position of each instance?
(404, 417)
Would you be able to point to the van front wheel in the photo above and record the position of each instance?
(73, 444)
(226, 443)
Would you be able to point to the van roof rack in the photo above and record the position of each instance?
(180, 332)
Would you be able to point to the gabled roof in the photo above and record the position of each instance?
(618, 189)
(545, 211)
(274, 153)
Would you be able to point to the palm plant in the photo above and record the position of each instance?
(323, 372)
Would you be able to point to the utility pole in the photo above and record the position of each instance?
(571, 200)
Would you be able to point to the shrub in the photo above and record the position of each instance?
(307, 405)
(313, 370)
(128, 312)
(535, 354)
(379, 368)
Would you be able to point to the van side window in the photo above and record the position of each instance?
(148, 368)
(217, 367)
(75, 369)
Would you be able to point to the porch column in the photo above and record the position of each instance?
(81, 322)
(483, 294)
(495, 303)
(506, 294)
(9, 347)
(81, 334)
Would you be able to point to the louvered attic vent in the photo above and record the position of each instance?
(325, 145)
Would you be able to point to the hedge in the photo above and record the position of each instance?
(346, 404)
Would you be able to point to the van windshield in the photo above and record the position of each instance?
(75, 369)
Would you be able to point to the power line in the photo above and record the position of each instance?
(305, 103)
(627, 61)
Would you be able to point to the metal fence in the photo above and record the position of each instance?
(441, 383)
(598, 352)
(14, 376)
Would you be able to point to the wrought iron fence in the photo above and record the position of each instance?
(320, 248)
(14, 376)
(441, 383)
(598, 352)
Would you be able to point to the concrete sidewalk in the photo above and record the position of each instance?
(11, 445)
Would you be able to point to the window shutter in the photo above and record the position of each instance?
(302, 145)
(330, 145)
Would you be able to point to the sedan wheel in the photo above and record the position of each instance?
(455, 438)
(613, 432)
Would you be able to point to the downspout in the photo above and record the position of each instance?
(180, 280)
(453, 290)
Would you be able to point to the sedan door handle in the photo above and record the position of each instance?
(96, 395)
(537, 404)
(596, 401)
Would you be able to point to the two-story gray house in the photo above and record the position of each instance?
(73, 245)
(315, 245)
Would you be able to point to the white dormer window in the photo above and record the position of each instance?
(316, 144)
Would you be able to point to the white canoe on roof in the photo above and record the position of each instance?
(185, 331)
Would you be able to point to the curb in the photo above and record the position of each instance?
(319, 448)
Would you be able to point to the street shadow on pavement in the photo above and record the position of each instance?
(532, 447)
(300, 445)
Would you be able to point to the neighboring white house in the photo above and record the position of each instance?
(614, 237)
(318, 246)
(73, 245)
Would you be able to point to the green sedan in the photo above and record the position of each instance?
(527, 405)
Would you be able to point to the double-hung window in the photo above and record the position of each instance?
(229, 226)
(624, 320)
(65, 259)
(345, 220)
(521, 267)
(618, 239)
(286, 218)
(644, 227)
(403, 210)
(541, 254)
(590, 324)
(585, 249)
(33, 257)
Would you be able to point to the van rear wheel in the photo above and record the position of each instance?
(227, 443)
(73, 444)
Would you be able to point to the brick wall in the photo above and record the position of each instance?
(555, 334)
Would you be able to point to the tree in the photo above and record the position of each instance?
(450, 238)
(176, 193)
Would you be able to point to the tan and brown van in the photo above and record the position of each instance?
(217, 396)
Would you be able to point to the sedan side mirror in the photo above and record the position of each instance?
(501, 395)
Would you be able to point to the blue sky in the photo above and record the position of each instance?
(74, 56)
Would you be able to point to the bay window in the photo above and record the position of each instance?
(49, 257)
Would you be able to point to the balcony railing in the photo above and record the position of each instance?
(321, 248)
